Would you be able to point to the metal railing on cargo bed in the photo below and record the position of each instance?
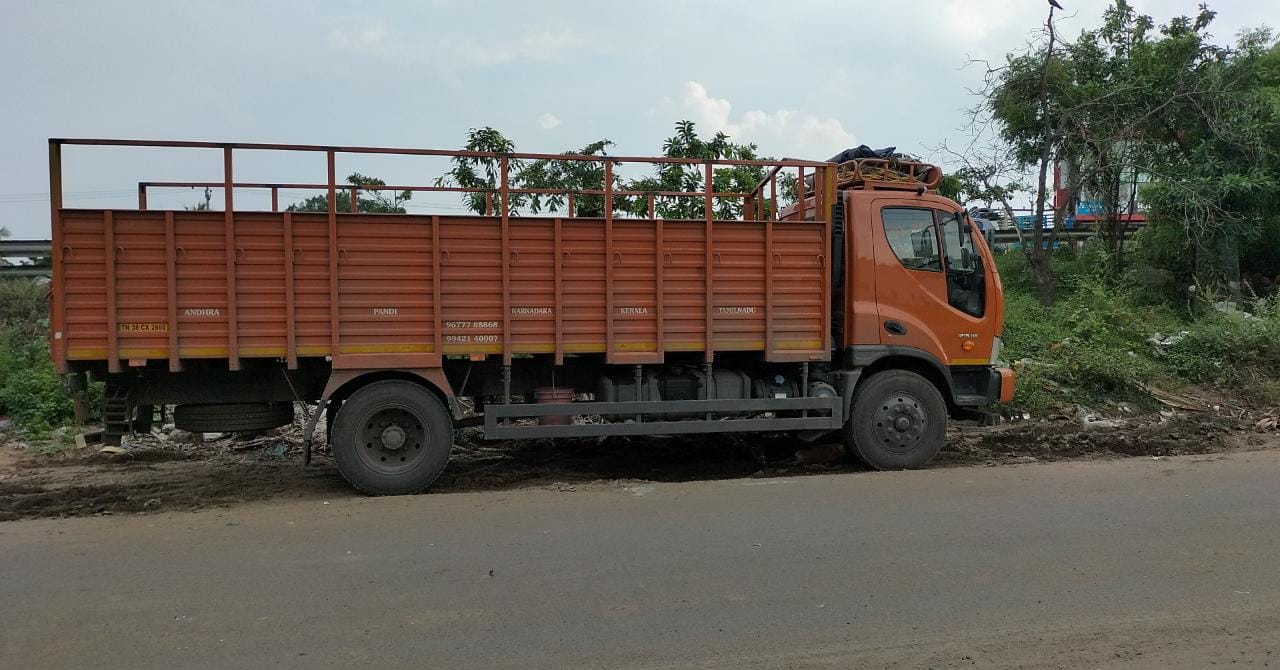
(150, 326)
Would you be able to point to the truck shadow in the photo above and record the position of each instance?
(678, 458)
(163, 476)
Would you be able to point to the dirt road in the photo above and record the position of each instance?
(1137, 563)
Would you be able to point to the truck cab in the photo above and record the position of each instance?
(918, 311)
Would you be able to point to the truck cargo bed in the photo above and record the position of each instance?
(139, 286)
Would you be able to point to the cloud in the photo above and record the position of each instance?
(548, 120)
(531, 46)
(374, 40)
(784, 132)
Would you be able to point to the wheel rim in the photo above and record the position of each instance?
(392, 439)
(900, 422)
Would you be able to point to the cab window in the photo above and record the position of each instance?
(957, 240)
(912, 233)
(966, 286)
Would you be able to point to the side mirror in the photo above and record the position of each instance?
(966, 258)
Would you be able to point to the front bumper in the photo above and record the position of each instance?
(1008, 382)
(976, 386)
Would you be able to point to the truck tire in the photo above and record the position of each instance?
(392, 438)
(898, 421)
(231, 417)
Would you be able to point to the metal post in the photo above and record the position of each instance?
(709, 273)
(709, 386)
(804, 385)
(331, 168)
(228, 207)
(142, 196)
(506, 384)
(58, 346)
(505, 224)
(801, 208)
(639, 388)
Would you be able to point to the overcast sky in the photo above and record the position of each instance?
(801, 79)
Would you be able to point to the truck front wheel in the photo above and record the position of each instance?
(898, 421)
(391, 438)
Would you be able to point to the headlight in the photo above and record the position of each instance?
(997, 348)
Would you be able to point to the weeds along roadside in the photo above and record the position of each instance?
(1109, 338)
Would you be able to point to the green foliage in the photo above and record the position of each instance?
(368, 201)
(570, 175)
(1234, 349)
(1089, 347)
(483, 172)
(30, 392)
(1097, 343)
(564, 176)
(691, 178)
(24, 309)
(1200, 121)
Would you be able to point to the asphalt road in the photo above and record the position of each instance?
(1138, 563)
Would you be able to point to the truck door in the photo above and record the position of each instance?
(930, 281)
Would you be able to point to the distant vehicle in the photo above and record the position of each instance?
(988, 218)
(868, 311)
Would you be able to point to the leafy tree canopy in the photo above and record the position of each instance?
(368, 201)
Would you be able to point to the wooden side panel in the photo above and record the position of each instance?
(799, 275)
(471, 284)
(142, 310)
(311, 283)
(684, 285)
(738, 287)
(260, 285)
(200, 243)
(385, 284)
(84, 284)
(582, 277)
(533, 299)
(635, 299)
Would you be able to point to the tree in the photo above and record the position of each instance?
(574, 176)
(1129, 99)
(570, 176)
(1019, 124)
(1215, 157)
(684, 177)
(484, 172)
(367, 200)
(203, 205)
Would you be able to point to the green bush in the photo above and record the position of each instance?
(1090, 347)
(31, 393)
(35, 397)
(1237, 350)
(1095, 344)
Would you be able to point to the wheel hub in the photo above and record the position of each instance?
(900, 422)
(393, 437)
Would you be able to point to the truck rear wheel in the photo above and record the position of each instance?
(898, 421)
(392, 438)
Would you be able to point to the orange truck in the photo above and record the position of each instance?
(867, 310)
